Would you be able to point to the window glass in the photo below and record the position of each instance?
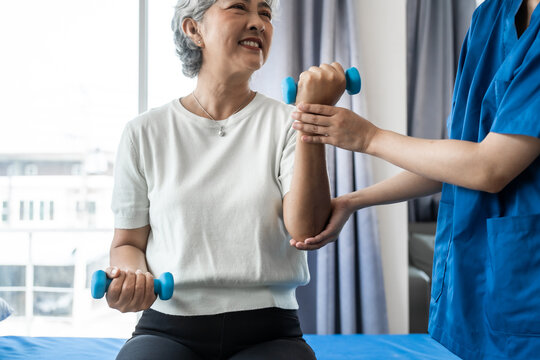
(69, 74)
(14, 247)
(12, 275)
(54, 276)
(53, 303)
(165, 79)
(69, 83)
(15, 299)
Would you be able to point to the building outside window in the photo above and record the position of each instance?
(5, 211)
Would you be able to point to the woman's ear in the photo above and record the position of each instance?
(191, 29)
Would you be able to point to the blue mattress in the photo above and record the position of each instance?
(327, 347)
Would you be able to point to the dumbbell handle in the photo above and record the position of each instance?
(164, 286)
(352, 77)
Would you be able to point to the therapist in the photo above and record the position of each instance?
(485, 296)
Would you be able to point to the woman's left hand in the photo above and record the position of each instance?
(341, 127)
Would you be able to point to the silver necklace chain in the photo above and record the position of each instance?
(221, 129)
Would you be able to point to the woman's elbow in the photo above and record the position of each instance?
(301, 229)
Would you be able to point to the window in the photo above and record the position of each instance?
(42, 210)
(12, 275)
(21, 210)
(51, 210)
(78, 83)
(5, 211)
(91, 207)
(55, 290)
(30, 210)
(30, 169)
(165, 78)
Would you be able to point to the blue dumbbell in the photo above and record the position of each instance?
(164, 286)
(352, 76)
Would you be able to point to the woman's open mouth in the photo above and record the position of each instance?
(252, 44)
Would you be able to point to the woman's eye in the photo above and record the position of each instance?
(239, 6)
(267, 14)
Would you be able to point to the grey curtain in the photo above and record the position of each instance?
(346, 292)
(435, 32)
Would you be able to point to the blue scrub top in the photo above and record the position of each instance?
(485, 296)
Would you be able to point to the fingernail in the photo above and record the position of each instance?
(139, 271)
(296, 125)
(114, 271)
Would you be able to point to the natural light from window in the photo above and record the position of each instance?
(70, 82)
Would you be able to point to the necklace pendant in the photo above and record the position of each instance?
(221, 133)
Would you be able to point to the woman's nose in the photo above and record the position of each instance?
(256, 23)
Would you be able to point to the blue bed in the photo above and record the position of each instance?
(327, 347)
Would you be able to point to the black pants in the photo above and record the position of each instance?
(270, 333)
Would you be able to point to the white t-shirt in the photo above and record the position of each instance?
(215, 205)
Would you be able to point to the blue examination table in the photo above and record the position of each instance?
(327, 347)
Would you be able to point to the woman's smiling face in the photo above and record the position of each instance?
(237, 35)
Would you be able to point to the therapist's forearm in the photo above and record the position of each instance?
(485, 166)
(401, 187)
(307, 205)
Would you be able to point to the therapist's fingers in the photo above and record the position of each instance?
(308, 247)
(312, 129)
(312, 118)
(327, 236)
(318, 109)
(317, 139)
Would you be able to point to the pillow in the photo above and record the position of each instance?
(5, 309)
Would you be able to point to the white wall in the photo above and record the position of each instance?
(382, 47)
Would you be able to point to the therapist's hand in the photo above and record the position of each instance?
(321, 84)
(341, 127)
(341, 212)
(130, 291)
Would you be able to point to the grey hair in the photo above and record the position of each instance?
(190, 54)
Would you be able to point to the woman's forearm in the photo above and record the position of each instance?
(306, 206)
(128, 257)
(128, 249)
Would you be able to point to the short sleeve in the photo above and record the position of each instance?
(518, 112)
(130, 202)
(286, 165)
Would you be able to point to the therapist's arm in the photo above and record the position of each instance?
(306, 207)
(401, 187)
(486, 166)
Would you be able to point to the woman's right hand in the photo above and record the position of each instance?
(130, 291)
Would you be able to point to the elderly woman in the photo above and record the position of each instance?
(205, 189)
